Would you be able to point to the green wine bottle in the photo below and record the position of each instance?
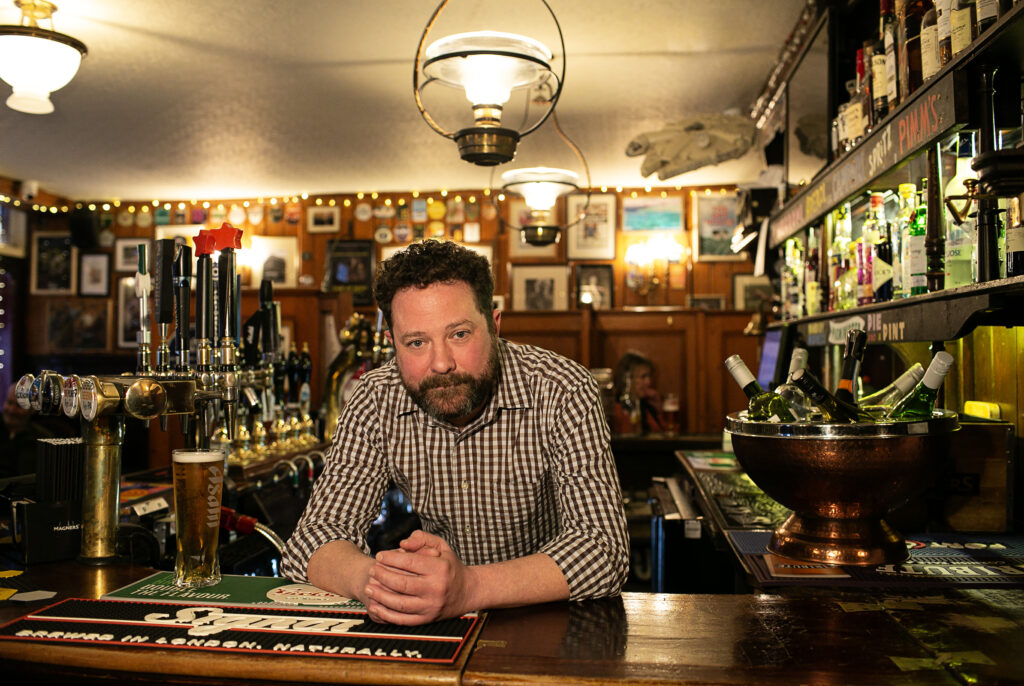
(918, 404)
(833, 410)
(894, 392)
(764, 406)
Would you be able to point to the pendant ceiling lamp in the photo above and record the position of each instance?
(37, 61)
(489, 66)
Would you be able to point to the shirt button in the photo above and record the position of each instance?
(468, 528)
(465, 485)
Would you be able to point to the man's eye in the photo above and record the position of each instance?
(414, 344)
(461, 334)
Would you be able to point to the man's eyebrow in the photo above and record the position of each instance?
(448, 329)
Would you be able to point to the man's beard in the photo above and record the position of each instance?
(454, 397)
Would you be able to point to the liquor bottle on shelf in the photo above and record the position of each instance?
(832, 409)
(882, 401)
(962, 25)
(929, 43)
(881, 249)
(916, 266)
(987, 13)
(812, 287)
(845, 284)
(1014, 237)
(291, 367)
(960, 238)
(879, 81)
(864, 97)
(904, 218)
(305, 375)
(910, 45)
(853, 354)
(794, 397)
(764, 405)
(837, 261)
(943, 8)
(919, 403)
(887, 29)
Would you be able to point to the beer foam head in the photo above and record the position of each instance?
(196, 455)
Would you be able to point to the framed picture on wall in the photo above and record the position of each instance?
(54, 264)
(595, 286)
(323, 219)
(75, 324)
(540, 287)
(126, 253)
(13, 231)
(94, 274)
(652, 213)
(349, 267)
(593, 236)
(706, 302)
(275, 258)
(714, 221)
(128, 319)
(749, 291)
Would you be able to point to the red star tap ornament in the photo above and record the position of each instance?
(227, 236)
(204, 243)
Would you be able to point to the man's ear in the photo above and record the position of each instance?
(387, 333)
(496, 314)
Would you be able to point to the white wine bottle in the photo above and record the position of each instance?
(764, 406)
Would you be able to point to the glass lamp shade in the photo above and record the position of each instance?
(36, 62)
(489, 65)
(540, 186)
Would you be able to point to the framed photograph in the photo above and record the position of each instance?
(714, 221)
(76, 325)
(706, 302)
(126, 253)
(349, 267)
(13, 231)
(595, 285)
(749, 291)
(323, 219)
(499, 303)
(128, 319)
(540, 287)
(94, 274)
(54, 264)
(652, 214)
(593, 236)
(519, 214)
(275, 258)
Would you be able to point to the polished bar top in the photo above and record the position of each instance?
(799, 636)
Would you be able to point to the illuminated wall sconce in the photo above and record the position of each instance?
(647, 263)
(37, 61)
(488, 65)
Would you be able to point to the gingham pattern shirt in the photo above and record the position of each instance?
(533, 473)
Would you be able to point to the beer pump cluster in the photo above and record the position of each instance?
(214, 397)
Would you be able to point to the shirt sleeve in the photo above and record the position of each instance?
(592, 547)
(347, 496)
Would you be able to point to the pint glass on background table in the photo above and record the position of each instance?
(198, 481)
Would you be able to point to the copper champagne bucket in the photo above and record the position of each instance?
(840, 480)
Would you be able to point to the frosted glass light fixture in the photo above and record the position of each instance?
(37, 61)
(488, 66)
(540, 187)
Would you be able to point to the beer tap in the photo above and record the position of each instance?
(226, 376)
(183, 307)
(163, 300)
(143, 286)
(199, 436)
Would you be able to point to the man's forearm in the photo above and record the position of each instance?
(340, 567)
(523, 581)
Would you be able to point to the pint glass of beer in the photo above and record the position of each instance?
(198, 479)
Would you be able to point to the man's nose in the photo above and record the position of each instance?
(442, 361)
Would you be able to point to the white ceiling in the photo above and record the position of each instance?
(220, 99)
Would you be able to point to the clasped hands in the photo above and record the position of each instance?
(421, 581)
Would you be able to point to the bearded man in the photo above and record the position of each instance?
(502, 450)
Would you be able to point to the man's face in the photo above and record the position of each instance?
(446, 355)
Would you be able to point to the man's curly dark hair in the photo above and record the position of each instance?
(429, 262)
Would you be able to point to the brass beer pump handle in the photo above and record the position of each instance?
(183, 306)
(163, 299)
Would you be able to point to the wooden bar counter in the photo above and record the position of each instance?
(797, 636)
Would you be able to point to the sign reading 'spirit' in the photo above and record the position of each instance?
(239, 629)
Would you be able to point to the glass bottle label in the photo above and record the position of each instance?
(987, 9)
(917, 261)
(943, 7)
(881, 273)
(879, 75)
(1014, 238)
(890, 67)
(961, 31)
(929, 51)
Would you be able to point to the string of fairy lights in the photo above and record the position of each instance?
(328, 200)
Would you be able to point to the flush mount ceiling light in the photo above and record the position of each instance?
(540, 187)
(488, 66)
(37, 61)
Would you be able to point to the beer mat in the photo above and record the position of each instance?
(712, 460)
(234, 590)
(950, 560)
(236, 629)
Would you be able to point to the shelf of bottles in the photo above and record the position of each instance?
(868, 245)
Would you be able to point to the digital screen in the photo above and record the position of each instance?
(770, 351)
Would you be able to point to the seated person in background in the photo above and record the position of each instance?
(636, 401)
(503, 451)
(18, 439)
